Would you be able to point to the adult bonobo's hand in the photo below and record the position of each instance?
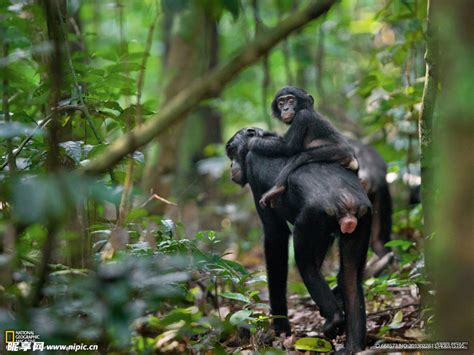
(317, 197)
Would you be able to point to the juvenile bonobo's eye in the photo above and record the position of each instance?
(291, 101)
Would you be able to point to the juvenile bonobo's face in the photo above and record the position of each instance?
(287, 107)
(289, 101)
(237, 149)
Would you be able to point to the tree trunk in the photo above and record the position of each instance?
(187, 58)
(425, 123)
(453, 243)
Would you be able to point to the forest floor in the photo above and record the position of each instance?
(391, 318)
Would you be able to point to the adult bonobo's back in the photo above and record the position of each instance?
(318, 196)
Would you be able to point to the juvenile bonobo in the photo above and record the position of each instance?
(317, 199)
(310, 138)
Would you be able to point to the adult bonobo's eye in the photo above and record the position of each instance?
(251, 132)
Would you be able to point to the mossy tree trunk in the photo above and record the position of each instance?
(452, 249)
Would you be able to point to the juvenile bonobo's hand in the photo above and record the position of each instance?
(354, 164)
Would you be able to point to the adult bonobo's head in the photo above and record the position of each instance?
(288, 101)
(237, 150)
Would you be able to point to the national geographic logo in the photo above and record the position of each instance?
(18, 336)
(9, 336)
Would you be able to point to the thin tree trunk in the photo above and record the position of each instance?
(185, 61)
(6, 111)
(52, 10)
(425, 126)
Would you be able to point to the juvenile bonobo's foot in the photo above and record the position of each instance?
(281, 325)
(354, 164)
(334, 327)
(271, 195)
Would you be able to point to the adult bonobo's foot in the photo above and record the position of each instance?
(270, 196)
(334, 326)
(282, 325)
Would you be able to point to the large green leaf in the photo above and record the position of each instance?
(313, 344)
(236, 296)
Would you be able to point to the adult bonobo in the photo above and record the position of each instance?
(317, 199)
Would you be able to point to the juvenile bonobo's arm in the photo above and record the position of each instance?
(292, 143)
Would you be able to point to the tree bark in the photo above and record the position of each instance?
(452, 249)
(203, 88)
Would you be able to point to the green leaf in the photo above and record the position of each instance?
(240, 317)
(403, 244)
(236, 296)
(313, 344)
(397, 320)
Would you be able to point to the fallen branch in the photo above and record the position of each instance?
(204, 87)
(377, 266)
(391, 339)
(391, 309)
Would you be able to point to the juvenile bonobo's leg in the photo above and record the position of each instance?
(276, 235)
(353, 250)
(270, 196)
(311, 242)
(328, 153)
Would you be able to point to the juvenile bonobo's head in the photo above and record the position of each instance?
(288, 101)
(237, 150)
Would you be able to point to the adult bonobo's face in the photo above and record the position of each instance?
(288, 101)
(237, 150)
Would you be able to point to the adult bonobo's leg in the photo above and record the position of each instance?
(353, 249)
(276, 236)
(312, 238)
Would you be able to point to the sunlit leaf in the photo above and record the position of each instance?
(240, 316)
(236, 296)
(313, 344)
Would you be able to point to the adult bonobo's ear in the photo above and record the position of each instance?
(250, 132)
(311, 100)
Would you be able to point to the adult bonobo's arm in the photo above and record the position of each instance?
(276, 236)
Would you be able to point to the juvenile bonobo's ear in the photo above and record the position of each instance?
(311, 100)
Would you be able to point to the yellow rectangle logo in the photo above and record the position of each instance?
(9, 336)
